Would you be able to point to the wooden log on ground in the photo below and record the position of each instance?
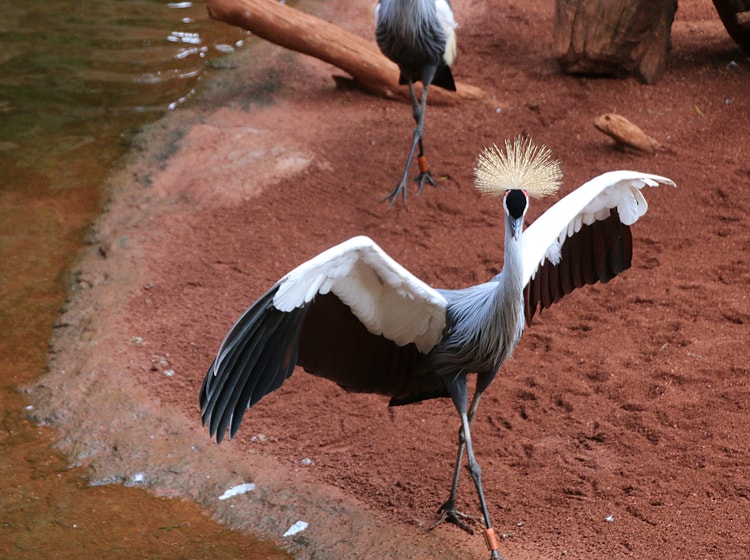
(309, 35)
(602, 37)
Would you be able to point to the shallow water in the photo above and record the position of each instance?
(75, 76)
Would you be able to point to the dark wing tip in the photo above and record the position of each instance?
(254, 360)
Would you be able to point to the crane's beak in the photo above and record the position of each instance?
(516, 228)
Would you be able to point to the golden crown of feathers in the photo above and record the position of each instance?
(522, 165)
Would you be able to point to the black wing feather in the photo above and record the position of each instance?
(217, 386)
(268, 371)
(334, 344)
(596, 253)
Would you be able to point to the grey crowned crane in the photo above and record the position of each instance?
(355, 316)
(419, 36)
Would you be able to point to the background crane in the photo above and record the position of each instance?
(419, 36)
(355, 316)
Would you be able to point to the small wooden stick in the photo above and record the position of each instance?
(625, 133)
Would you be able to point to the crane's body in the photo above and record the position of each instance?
(355, 316)
(483, 322)
(419, 36)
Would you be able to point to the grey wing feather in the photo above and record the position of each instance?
(263, 347)
(256, 357)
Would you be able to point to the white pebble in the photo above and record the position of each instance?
(239, 489)
(297, 527)
(138, 478)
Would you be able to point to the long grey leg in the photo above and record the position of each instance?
(418, 113)
(424, 169)
(476, 475)
(448, 510)
(458, 391)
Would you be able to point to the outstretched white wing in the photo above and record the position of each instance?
(385, 297)
(591, 202)
(351, 314)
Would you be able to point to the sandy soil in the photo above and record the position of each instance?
(629, 400)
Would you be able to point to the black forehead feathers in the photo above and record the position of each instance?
(516, 201)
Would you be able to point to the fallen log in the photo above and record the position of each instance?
(297, 31)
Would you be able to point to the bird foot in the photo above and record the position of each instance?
(400, 190)
(425, 177)
(424, 174)
(448, 513)
(394, 194)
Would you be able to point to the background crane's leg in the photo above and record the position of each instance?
(418, 111)
(417, 139)
(424, 169)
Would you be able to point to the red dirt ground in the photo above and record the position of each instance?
(629, 400)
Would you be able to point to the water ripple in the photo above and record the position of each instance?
(62, 58)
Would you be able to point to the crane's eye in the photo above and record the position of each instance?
(516, 202)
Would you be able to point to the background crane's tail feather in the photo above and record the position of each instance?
(444, 78)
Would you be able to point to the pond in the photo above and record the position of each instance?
(75, 77)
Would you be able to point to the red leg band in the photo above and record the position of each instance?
(490, 538)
